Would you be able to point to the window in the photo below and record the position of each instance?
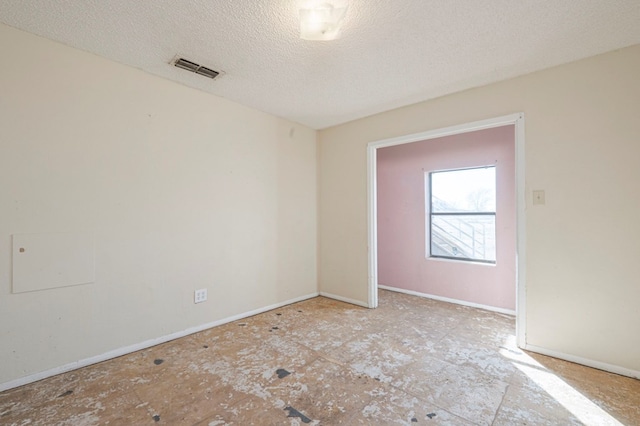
(462, 214)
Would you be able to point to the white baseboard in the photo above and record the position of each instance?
(585, 361)
(143, 345)
(448, 300)
(344, 299)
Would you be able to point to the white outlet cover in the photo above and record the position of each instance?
(200, 296)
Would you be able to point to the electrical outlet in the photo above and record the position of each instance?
(200, 296)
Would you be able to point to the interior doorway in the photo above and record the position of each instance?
(515, 120)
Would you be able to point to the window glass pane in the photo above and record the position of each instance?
(469, 190)
(467, 236)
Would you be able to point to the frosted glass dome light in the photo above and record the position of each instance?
(321, 22)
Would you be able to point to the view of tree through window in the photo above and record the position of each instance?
(462, 211)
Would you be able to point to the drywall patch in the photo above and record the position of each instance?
(52, 260)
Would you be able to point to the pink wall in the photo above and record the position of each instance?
(402, 257)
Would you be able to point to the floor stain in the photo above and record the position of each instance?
(282, 373)
(295, 413)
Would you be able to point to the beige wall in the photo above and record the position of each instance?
(581, 147)
(181, 189)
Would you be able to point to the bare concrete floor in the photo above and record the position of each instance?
(411, 361)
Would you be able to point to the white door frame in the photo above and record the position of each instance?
(514, 119)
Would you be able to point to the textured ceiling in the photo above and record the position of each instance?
(390, 53)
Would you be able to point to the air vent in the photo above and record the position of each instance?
(186, 65)
(193, 67)
(207, 72)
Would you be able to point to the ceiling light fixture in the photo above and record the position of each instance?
(321, 22)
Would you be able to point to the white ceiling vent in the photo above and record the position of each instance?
(193, 67)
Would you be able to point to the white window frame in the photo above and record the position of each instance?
(429, 216)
